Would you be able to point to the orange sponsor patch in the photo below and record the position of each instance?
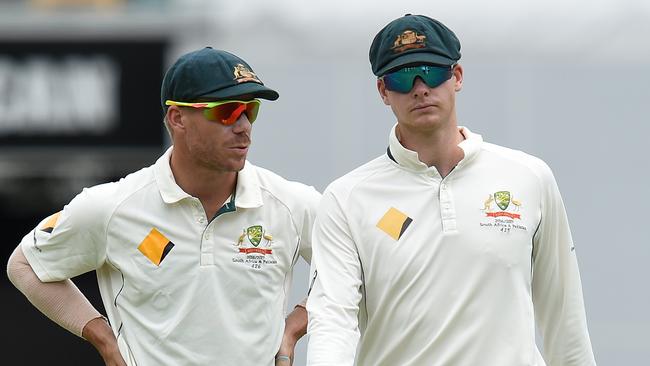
(51, 222)
(155, 246)
(394, 223)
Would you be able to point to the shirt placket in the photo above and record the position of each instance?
(447, 208)
(207, 257)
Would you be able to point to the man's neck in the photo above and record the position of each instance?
(438, 148)
(211, 187)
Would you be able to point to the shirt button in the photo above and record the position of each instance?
(443, 186)
(200, 220)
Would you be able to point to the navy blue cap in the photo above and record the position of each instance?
(211, 75)
(413, 39)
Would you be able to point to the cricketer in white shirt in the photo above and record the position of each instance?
(181, 288)
(413, 269)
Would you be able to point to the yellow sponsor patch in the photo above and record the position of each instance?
(155, 246)
(394, 223)
(51, 222)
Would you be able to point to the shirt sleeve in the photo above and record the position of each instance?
(311, 199)
(557, 290)
(333, 303)
(70, 242)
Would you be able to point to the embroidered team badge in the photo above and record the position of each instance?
(503, 210)
(254, 247)
(244, 74)
(254, 234)
(502, 199)
(409, 39)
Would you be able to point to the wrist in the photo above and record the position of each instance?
(99, 333)
(296, 324)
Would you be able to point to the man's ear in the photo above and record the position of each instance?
(174, 118)
(381, 88)
(458, 74)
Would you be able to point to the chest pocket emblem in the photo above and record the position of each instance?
(260, 254)
(503, 199)
(254, 234)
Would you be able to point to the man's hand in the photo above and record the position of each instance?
(101, 336)
(295, 327)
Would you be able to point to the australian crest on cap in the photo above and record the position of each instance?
(244, 74)
(407, 40)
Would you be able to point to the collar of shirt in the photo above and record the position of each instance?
(409, 158)
(248, 192)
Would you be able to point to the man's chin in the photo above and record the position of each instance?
(228, 166)
(238, 165)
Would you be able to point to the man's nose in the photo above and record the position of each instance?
(242, 124)
(420, 87)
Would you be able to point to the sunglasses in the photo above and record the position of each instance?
(402, 80)
(226, 112)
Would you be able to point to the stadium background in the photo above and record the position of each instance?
(568, 81)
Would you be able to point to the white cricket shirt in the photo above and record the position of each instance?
(415, 270)
(181, 288)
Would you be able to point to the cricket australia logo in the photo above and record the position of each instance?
(503, 200)
(407, 40)
(243, 74)
(505, 210)
(255, 234)
(254, 247)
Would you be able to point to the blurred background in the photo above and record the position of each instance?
(567, 81)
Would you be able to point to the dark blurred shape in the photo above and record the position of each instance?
(76, 113)
(54, 4)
